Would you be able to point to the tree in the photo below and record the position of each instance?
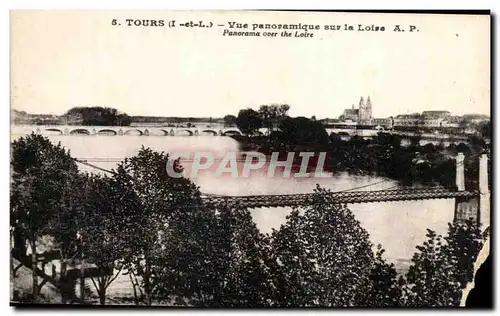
(41, 172)
(282, 113)
(303, 131)
(485, 129)
(172, 236)
(229, 120)
(266, 115)
(187, 251)
(273, 115)
(244, 274)
(106, 231)
(98, 115)
(123, 120)
(324, 255)
(186, 268)
(95, 227)
(248, 121)
(65, 228)
(442, 267)
(385, 288)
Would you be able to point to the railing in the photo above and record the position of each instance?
(353, 197)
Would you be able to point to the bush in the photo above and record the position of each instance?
(442, 267)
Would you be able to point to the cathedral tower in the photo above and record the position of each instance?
(369, 110)
(365, 111)
(361, 103)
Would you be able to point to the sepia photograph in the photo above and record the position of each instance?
(249, 159)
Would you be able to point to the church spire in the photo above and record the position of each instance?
(361, 103)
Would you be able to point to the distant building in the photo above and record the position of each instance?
(433, 115)
(350, 115)
(432, 122)
(476, 118)
(384, 122)
(434, 118)
(406, 120)
(329, 121)
(452, 122)
(362, 115)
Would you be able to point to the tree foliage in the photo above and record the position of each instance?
(385, 289)
(272, 115)
(230, 120)
(40, 173)
(442, 266)
(106, 231)
(485, 129)
(325, 256)
(301, 130)
(243, 265)
(248, 121)
(100, 116)
(172, 240)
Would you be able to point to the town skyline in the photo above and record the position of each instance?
(254, 108)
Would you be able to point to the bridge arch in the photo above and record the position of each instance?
(231, 132)
(80, 131)
(189, 132)
(133, 132)
(209, 131)
(158, 132)
(54, 131)
(107, 132)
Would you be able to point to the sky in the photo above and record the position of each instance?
(61, 59)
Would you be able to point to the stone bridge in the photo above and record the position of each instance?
(345, 134)
(368, 133)
(125, 130)
(425, 138)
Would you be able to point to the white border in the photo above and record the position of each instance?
(183, 5)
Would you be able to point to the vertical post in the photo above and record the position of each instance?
(460, 172)
(484, 193)
(34, 266)
(82, 280)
